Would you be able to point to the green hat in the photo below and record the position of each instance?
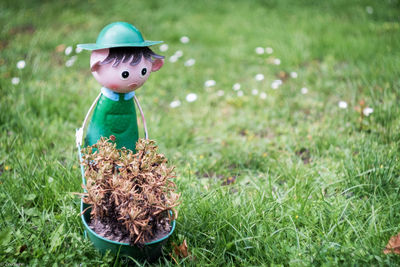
(118, 34)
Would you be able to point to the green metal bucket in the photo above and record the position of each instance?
(149, 251)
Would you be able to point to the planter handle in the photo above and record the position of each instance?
(146, 135)
(79, 132)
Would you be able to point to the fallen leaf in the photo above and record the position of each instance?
(283, 75)
(243, 132)
(393, 245)
(60, 48)
(182, 250)
(22, 248)
(304, 154)
(229, 180)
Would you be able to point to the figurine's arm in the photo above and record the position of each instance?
(79, 132)
(146, 135)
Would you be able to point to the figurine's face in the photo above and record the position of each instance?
(122, 78)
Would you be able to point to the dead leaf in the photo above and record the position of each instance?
(229, 180)
(393, 245)
(243, 132)
(60, 48)
(283, 75)
(23, 248)
(182, 250)
(304, 154)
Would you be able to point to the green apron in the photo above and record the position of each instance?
(116, 118)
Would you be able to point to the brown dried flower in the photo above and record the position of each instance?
(133, 193)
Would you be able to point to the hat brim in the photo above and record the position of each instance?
(103, 46)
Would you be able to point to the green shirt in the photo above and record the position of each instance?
(114, 117)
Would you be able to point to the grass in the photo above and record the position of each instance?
(314, 184)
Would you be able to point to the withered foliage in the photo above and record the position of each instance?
(393, 245)
(131, 192)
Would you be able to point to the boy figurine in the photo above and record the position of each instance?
(121, 61)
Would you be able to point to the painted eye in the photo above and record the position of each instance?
(124, 75)
(144, 71)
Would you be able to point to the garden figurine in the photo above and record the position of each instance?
(121, 61)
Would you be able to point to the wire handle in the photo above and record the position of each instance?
(79, 132)
(146, 134)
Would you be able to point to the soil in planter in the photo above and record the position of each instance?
(113, 230)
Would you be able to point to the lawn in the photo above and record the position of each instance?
(298, 173)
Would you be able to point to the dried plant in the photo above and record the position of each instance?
(131, 192)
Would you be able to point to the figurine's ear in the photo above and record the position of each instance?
(97, 57)
(157, 64)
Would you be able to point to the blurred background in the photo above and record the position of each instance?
(280, 116)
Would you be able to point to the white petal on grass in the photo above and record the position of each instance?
(263, 95)
(15, 80)
(68, 50)
(190, 62)
(78, 50)
(163, 47)
(71, 61)
(21, 64)
(259, 77)
(240, 93)
(369, 10)
(178, 53)
(173, 59)
(191, 97)
(236, 86)
(209, 83)
(184, 39)
(254, 92)
(259, 50)
(367, 111)
(293, 74)
(220, 93)
(269, 50)
(277, 61)
(304, 90)
(275, 84)
(175, 104)
(342, 104)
